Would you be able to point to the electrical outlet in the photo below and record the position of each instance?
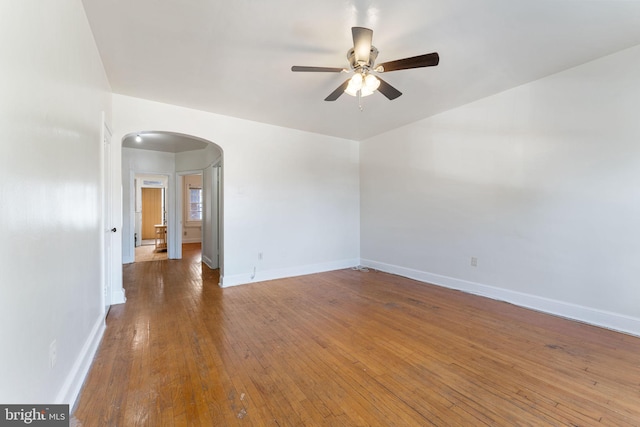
(185, 233)
(474, 261)
(53, 353)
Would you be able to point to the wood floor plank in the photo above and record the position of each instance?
(346, 348)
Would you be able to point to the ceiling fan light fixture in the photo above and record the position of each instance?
(371, 82)
(351, 91)
(363, 82)
(355, 84)
(365, 91)
(362, 60)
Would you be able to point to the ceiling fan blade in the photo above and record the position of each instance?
(387, 90)
(362, 38)
(427, 60)
(317, 69)
(339, 91)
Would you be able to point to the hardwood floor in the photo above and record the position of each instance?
(346, 348)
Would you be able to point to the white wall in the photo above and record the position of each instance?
(292, 196)
(540, 183)
(54, 91)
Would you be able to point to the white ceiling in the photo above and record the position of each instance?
(234, 58)
(169, 142)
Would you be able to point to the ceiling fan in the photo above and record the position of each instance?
(362, 62)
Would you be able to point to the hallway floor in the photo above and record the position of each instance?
(149, 253)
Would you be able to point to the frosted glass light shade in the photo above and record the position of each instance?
(365, 91)
(365, 83)
(356, 81)
(351, 91)
(355, 84)
(371, 82)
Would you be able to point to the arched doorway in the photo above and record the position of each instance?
(175, 155)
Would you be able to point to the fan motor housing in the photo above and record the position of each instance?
(351, 56)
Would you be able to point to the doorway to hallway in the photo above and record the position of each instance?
(152, 213)
(150, 225)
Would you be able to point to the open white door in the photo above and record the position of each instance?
(107, 226)
(210, 216)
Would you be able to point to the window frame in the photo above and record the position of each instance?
(188, 207)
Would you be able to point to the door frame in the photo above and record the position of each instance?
(216, 204)
(169, 205)
(180, 207)
(218, 167)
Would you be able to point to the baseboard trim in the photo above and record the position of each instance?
(261, 276)
(208, 262)
(75, 379)
(601, 318)
(118, 296)
(192, 240)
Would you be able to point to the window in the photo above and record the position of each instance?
(195, 204)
